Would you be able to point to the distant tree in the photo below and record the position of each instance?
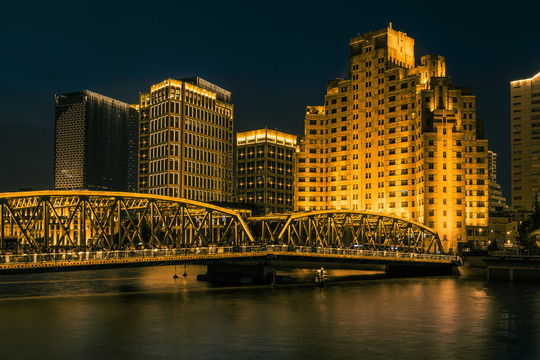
(529, 230)
(535, 217)
(534, 238)
(493, 246)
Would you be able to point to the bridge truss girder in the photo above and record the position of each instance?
(334, 228)
(45, 221)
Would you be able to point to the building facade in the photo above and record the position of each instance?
(186, 141)
(95, 145)
(525, 122)
(497, 202)
(397, 138)
(503, 231)
(264, 169)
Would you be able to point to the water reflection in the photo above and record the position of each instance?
(515, 319)
(144, 313)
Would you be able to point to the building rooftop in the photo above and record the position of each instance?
(76, 96)
(535, 77)
(266, 135)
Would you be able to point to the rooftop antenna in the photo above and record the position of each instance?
(390, 25)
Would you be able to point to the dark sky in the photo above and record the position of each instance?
(275, 57)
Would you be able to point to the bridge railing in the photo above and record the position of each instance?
(111, 255)
(359, 252)
(515, 252)
(195, 251)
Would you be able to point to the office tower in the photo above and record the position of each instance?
(264, 169)
(398, 139)
(185, 140)
(525, 112)
(497, 202)
(95, 143)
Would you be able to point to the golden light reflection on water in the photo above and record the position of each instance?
(136, 312)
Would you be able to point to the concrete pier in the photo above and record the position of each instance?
(513, 268)
(244, 273)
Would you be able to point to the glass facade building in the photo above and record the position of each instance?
(95, 143)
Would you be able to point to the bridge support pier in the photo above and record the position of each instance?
(245, 273)
(408, 270)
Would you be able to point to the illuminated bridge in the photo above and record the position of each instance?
(58, 229)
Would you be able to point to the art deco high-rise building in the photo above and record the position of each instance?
(264, 169)
(185, 140)
(525, 112)
(399, 139)
(95, 143)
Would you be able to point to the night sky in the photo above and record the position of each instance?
(275, 57)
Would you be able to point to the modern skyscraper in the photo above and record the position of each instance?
(525, 112)
(185, 140)
(397, 138)
(95, 143)
(264, 169)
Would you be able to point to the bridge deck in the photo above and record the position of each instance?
(59, 261)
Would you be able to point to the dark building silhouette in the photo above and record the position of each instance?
(95, 145)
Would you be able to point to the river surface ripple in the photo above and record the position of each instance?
(143, 313)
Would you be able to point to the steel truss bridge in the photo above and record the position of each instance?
(52, 226)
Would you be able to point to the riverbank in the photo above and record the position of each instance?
(502, 267)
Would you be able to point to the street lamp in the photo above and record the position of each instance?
(480, 234)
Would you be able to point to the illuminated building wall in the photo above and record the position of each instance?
(525, 112)
(264, 169)
(95, 143)
(397, 138)
(185, 144)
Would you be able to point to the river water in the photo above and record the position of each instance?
(143, 313)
